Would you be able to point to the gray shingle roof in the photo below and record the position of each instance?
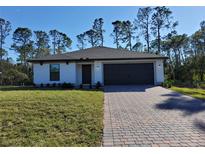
(98, 53)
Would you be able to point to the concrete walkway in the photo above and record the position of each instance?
(152, 116)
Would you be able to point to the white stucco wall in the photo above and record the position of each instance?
(42, 73)
(72, 72)
(98, 72)
(159, 71)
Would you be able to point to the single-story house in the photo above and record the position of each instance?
(108, 66)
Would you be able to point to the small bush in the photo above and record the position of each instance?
(178, 83)
(54, 84)
(81, 86)
(41, 84)
(98, 85)
(64, 85)
(67, 85)
(70, 86)
(168, 83)
(196, 84)
(47, 85)
(28, 83)
(59, 84)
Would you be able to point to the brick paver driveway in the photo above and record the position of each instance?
(152, 116)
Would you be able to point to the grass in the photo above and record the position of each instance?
(194, 92)
(50, 117)
(202, 85)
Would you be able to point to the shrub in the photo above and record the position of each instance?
(178, 83)
(98, 85)
(28, 82)
(14, 74)
(168, 83)
(187, 84)
(41, 84)
(196, 84)
(81, 86)
(90, 86)
(59, 84)
(67, 85)
(14, 77)
(70, 86)
(64, 85)
(47, 85)
(54, 84)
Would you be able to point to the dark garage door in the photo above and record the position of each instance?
(127, 74)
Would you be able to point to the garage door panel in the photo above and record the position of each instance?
(125, 74)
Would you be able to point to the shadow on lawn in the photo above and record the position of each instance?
(176, 101)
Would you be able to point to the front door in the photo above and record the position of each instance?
(86, 74)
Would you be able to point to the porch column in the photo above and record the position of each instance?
(159, 72)
(98, 72)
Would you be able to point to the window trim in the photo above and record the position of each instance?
(51, 72)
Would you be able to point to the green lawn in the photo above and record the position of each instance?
(50, 117)
(194, 92)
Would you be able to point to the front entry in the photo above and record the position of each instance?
(86, 74)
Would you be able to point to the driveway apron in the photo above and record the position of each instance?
(152, 116)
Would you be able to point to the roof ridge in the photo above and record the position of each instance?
(116, 49)
(135, 52)
(101, 52)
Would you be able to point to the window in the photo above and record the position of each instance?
(54, 72)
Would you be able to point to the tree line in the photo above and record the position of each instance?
(153, 31)
(26, 47)
(149, 23)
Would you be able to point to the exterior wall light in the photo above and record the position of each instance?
(97, 67)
